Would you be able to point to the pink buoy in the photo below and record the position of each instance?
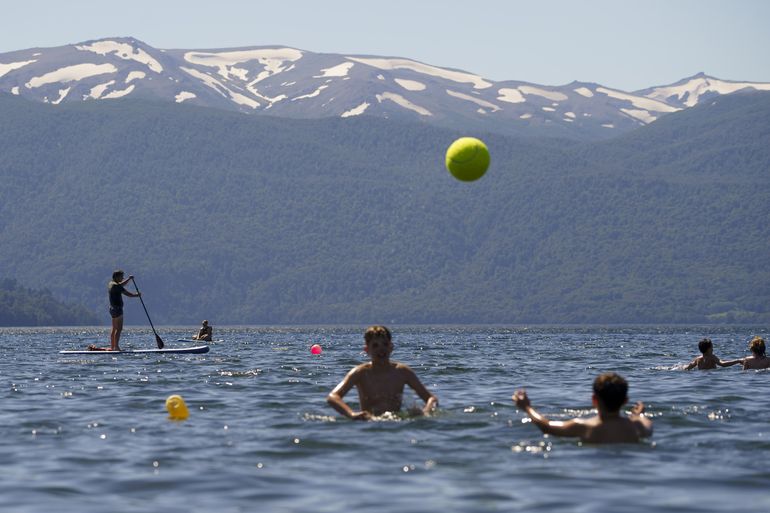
(315, 349)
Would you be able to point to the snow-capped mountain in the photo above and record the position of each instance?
(288, 82)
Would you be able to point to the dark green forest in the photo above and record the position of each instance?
(244, 219)
(20, 306)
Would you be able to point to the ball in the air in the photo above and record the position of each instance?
(467, 159)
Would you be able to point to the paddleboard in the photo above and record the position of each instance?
(177, 350)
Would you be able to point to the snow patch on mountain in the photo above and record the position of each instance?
(340, 70)
(222, 89)
(7, 68)
(355, 111)
(403, 102)
(584, 91)
(311, 95)
(184, 95)
(273, 61)
(135, 75)
(410, 85)
(71, 74)
(640, 115)
(124, 51)
(98, 90)
(550, 95)
(477, 101)
(510, 95)
(118, 94)
(690, 92)
(62, 94)
(425, 69)
(270, 100)
(637, 101)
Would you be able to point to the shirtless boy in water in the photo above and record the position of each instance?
(708, 360)
(757, 360)
(609, 426)
(380, 383)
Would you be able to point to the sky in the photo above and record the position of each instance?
(627, 45)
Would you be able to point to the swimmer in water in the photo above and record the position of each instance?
(380, 382)
(609, 426)
(708, 360)
(757, 360)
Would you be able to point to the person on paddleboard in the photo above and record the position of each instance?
(205, 333)
(117, 290)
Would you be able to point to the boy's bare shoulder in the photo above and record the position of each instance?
(403, 368)
(361, 367)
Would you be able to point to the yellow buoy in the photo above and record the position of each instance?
(177, 409)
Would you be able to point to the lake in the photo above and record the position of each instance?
(91, 433)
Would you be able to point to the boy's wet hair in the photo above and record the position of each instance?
(704, 345)
(611, 389)
(376, 331)
(757, 346)
(117, 274)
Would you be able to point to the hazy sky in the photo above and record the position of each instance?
(623, 44)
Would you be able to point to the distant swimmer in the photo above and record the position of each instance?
(708, 360)
(380, 383)
(609, 426)
(205, 333)
(116, 290)
(757, 360)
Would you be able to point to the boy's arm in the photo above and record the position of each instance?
(431, 401)
(637, 416)
(334, 399)
(127, 292)
(551, 427)
(729, 363)
(692, 364)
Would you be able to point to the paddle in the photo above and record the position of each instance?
(157, 337)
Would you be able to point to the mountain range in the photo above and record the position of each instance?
(292, 83)
(264, 219)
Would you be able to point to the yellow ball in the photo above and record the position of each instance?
(467, 159)
(177, 409)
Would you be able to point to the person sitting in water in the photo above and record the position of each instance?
(609, 426)
(757, 360)
(380, 382)
(708, 360)
(205, 333)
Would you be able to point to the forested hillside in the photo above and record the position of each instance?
(262, 220)
(20, 306)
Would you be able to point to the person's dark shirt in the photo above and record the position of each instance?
(116, 290)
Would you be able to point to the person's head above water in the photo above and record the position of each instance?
(378, 342)
(705, 345)
(611, 391)
(757, 346)
(117, 275)
(205, 323)
(376, 331)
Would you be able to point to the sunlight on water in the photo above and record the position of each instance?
(260, 436)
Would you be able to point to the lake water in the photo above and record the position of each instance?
(91, 434)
